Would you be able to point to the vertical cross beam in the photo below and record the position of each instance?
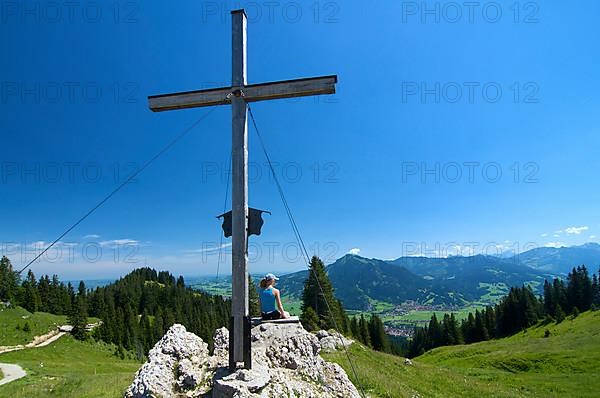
(239, 184)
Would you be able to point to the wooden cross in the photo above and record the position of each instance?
(238, 95)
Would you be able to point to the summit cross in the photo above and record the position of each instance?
(238, 95)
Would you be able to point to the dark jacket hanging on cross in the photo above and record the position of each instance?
(255, 221)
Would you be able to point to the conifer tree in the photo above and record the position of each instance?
(253, 298)
(468, 326)
(490, 321)
(365, 337)
(560, 314)
(54, 302)
(418, 344)
(560, 294)
(579, 289)
(78, 318)
(343, 321)
(595, 291)
(310, 320)
(44, 292)
(9, 281)
(159, 327)
(587, 290)
(549, 300)
(451, 331)
(31, 298)
(318, 295)
(70, 296)
(529, 306)
(379, 340)
(481, 333)
(354, 329)
(434, 332)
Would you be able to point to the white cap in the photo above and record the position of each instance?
(270, 276)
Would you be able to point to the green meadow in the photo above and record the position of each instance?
(69, 368)
(13, 320)
(13, 323)
(544, 361)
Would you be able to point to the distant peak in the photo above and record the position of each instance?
(352, 257)
(591, 245)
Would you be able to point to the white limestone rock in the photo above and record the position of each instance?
(290, 355)
(221, 342)
(177, 362)
(285, 363)
(332, 341)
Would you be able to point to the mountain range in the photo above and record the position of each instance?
(561, 260)
(361, 282)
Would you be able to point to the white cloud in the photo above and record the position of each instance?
(556, 235)
(38, 245)
(576, 230)
(544, 235)
(554, 244)
(354, 251)
(91, 236)
(119, 242)
(593, 236)
(455, 250)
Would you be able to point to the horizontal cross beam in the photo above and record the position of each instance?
(251, 93)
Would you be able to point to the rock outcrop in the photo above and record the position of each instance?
(178, 362)
(285, 363)
(332, 341)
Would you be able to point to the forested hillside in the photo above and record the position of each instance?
(520, 309)
(135, 310)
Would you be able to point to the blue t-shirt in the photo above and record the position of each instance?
(267, 299)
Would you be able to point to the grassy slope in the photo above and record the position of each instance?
(566, 364)
(70, 369)
(40, 323)
(384, 375)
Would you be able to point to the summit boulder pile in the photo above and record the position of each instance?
(285, 363)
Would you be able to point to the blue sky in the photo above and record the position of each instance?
(475, 130)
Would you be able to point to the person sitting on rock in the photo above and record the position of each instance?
(269, 296)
